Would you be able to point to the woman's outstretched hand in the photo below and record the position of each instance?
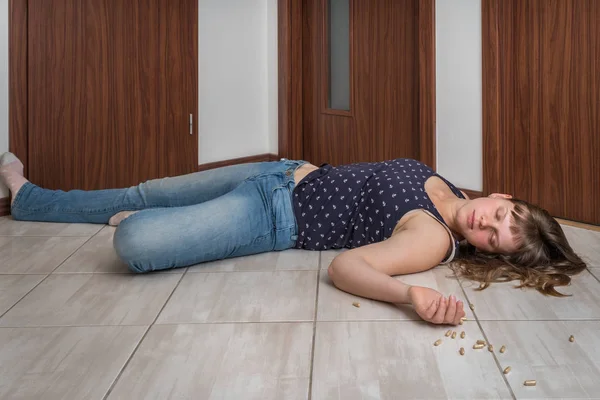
(433, 307)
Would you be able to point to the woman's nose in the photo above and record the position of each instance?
(482, 222)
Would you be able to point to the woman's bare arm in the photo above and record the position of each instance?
(367, 271)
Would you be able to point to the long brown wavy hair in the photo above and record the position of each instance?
(543, 260)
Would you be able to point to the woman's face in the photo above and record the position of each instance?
(485, 223)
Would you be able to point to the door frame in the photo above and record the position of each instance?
(493, 142)
(290, 113)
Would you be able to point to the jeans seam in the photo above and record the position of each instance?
(96, 211)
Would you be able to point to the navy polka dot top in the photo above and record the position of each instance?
(357, 204)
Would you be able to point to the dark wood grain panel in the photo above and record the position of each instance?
(387, 78)
(290, 80)
(178, 90)
(426, 89)
(492, 143)
(132, 78)
(17, 89)
(542, 118)
(56, 92)
(92, 93)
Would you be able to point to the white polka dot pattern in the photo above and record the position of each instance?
(357, 204)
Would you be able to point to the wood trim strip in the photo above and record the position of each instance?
(578, 224)
(427, 119)
(17, 78)
(4, 206)
(492, 144)
(241, 160)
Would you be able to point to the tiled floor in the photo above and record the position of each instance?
(76, 325)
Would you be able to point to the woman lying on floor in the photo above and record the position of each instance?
(396, 217)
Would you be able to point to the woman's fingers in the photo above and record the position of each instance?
(438, 318)
(460, 312)
(451, 311)
(430, 312)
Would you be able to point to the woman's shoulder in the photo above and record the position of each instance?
(423, 223)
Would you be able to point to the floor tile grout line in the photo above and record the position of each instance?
(314, 333)
(500, 370)
(169, 324)
(76, 250)
(26, 294)
(594, 275)
(278, 322)
(47, 275)
(114, 383)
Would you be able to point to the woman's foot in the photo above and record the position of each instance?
(116, 219)
(11, 173)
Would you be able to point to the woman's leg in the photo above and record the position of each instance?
(32, 203)
(257, 216)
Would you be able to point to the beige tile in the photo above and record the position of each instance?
(397, 360)
(10, 227)
(63, 363)
(35, 255)
(93, 299)
(586, 243)
(336, 305)
(273, 261)
(540, 350)
(13, 287)
(242, 297)
(98, 256)
(221, 361)
(501, 301)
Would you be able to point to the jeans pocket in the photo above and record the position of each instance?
(282, 207)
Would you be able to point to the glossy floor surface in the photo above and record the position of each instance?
(74, 324)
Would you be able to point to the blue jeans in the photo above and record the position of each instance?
(225, 212)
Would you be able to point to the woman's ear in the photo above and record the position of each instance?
(500, 196)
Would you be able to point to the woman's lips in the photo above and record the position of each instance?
(472, 219)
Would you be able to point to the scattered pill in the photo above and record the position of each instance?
(571, 338)
(453, 335)
(462, 335)
(481, 342)
(438, 342)
(506, 370)
(448, 333)
(530, 383)
(356, 304)
(472, 306)
(491, 348)
(462, 351)
(478, 346)
(502, 349)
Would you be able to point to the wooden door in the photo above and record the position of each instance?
(111, 85)
(367, 83)
(541, 71)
